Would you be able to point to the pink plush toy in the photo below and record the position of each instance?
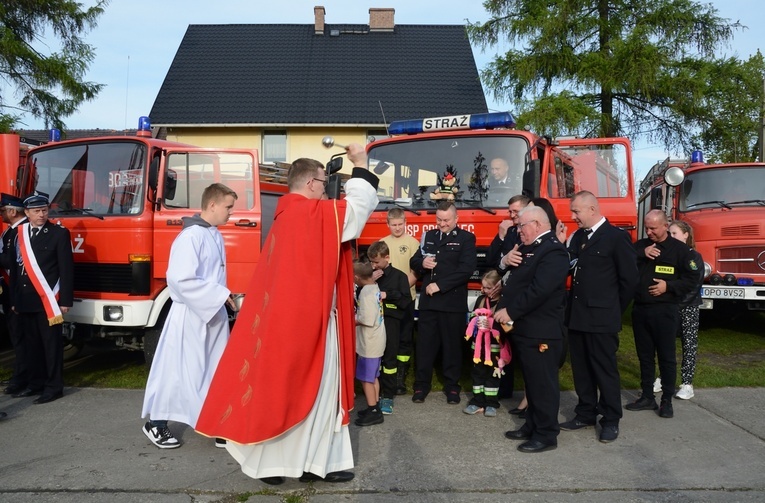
(505, 355)
(481, 325)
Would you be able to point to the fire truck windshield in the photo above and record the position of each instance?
(725, 187)
(89, 179)
(486, 170)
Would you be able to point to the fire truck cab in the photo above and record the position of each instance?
(725, 206)
(122, 199)
(420, 151)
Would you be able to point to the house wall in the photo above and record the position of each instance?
(301, 142)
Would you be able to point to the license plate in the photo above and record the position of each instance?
(722, 293)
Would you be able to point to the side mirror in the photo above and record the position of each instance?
(531, 178)
(171, 182)
(335, 164)
(657, 197)
(333, 187)
(154, 173)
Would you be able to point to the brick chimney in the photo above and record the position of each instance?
(318, 14)
(381, 19)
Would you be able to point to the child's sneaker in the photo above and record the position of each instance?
(472, 409)
(386, 406)
(371, 416)
(490, 412)
(161, 437)
(220, 443)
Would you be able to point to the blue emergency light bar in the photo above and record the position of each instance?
(453, 122)
(54, 135)
(697, 156)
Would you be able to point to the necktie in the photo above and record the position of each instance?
(588, 233)
(35, 230)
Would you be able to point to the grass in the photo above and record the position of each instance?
(731, 353)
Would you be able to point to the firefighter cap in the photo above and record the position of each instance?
(36, 200)
(9, 200)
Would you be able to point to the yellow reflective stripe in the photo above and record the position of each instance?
(388, 371)
(403, 358)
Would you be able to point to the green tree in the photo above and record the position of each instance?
(48, 84)
(733, 101)
(605, 67)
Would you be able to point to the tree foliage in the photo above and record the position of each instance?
(613, 67)
(48, 83)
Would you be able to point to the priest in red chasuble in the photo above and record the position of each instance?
(283, 390)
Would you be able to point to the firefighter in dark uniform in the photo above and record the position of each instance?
(445, 261)
(42, 291)
(12, 209)
(533, 302)
(667, 272)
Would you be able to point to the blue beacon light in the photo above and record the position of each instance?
(697, 156)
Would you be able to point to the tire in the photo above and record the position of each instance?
(72, 349)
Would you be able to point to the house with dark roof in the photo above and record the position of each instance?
(280, 88)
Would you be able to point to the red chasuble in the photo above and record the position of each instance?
(269, 375)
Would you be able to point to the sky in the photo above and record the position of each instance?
(136, 41)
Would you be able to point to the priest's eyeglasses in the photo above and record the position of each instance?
(324, 181)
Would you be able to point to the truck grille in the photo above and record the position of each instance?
(741, 230)
(741, 260)
(113, 278)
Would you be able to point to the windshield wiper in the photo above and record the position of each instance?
(80, 211)
(397, 205)
(472, 203)
(749, 201)
(722, 204)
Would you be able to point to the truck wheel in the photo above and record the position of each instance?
(150, 343)
(72, 349)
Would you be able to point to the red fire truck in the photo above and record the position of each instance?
(725, 205)
(411, 162)
(122, 199)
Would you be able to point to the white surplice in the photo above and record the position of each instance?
(320, 444)
(196, 330)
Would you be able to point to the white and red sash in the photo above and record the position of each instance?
(48, 296)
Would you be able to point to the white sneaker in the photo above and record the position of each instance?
(220, 443)
(686, 392)
(161, 437)
(657, 385)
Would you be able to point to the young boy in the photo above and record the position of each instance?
(394, 292)
(402, 247)
(370, 342)
(196, 330)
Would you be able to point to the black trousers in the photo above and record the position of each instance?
(593, 362)
(20, 375)
(655, 327)
(540, 373)
(405, 344)
(390, 358)
(442, 331)
(44, 353)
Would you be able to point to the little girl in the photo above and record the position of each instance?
(486, 377)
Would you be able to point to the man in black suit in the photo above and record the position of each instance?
(604, 276)
(12, 209)
(507, 235)
(44, 268)
(533, 302)
(445, 261)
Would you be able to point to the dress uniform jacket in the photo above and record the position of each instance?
(456, 261)
(534, 294)
(500, 247)
(53, 249)
(604, 277)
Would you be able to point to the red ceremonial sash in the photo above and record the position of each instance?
(48, 295)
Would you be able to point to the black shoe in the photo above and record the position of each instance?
(665, 409)
(642, 404)
(49, 398)
(419, 396)
(13, 389)
(27, 392)
(453, 397)
(609, 433)
(536, 446)
(3, 415)
(371, 417)
(272, 481)
(331, 477)
(400, 390)
(575, 424)
(517, 412)
(520, 434)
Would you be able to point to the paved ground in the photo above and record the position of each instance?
(88, 447)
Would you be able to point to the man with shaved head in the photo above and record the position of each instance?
(604, 276)
(668, 270)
